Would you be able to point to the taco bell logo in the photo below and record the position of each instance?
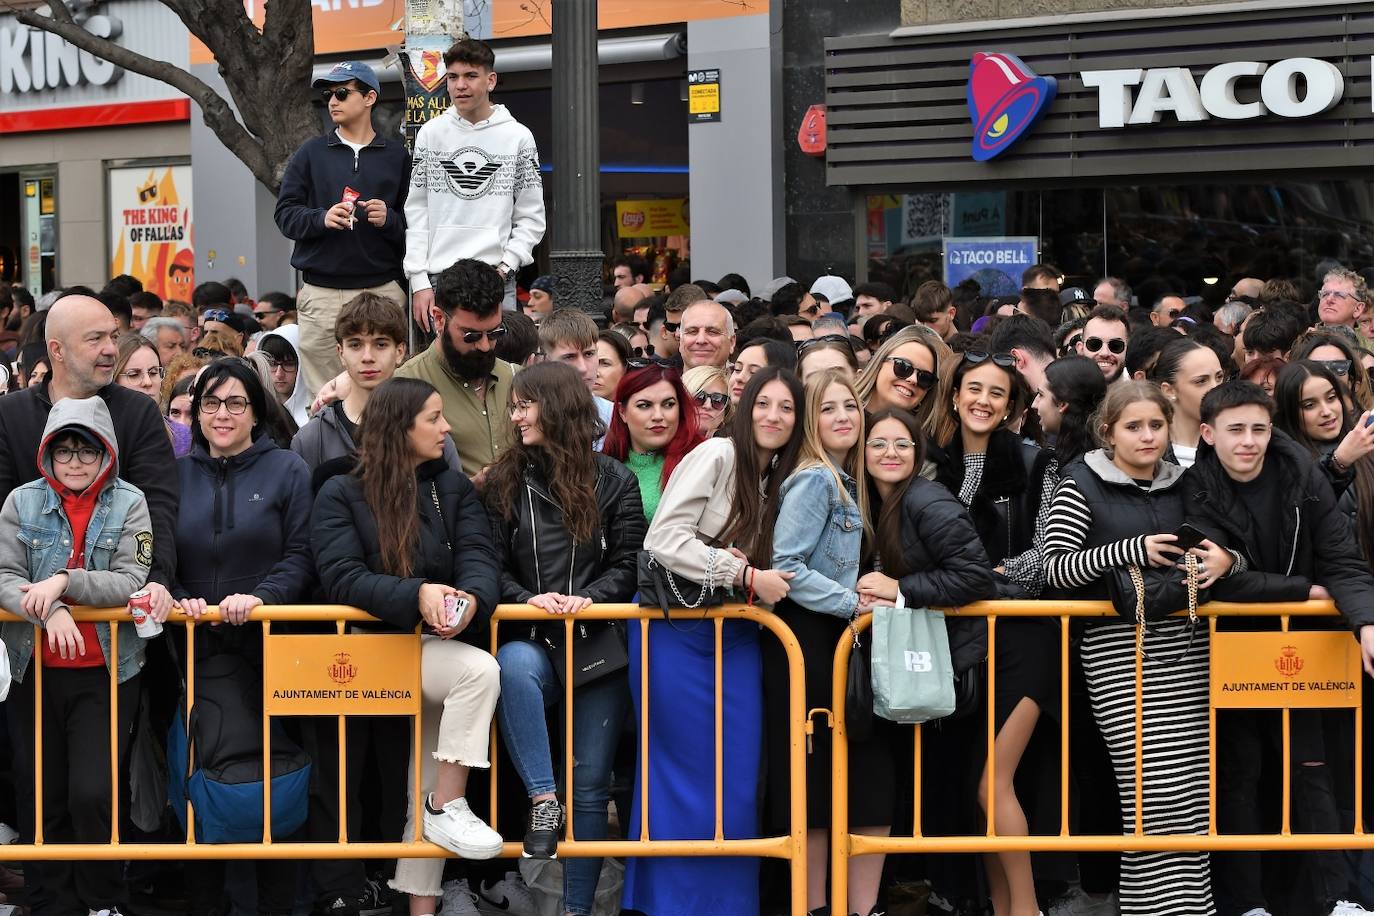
(1005, 99)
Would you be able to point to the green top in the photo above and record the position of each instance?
(649, 471)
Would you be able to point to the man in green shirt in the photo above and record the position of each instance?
(461, 363)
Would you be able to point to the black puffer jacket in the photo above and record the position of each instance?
(537, 554)
(1004, 508)
(1313, 533)
(454, 549)
(947, 565)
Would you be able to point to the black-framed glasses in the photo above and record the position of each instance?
(717, 401)
(642, 352)
(521, 406)
(804, 345)
(904, 368)
(977, 357)
(671, 326)
(206, 353)
(263, 313)
(1339, 367)
(220, 315)
(86, 454)
(340, 93)
(235, 404)
(289, 365)
(1114, 344)
(494, 335)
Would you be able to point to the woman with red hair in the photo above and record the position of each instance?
(653, 425)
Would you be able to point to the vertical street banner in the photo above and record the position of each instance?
(431, 27)
(995, 264)
(151, 235)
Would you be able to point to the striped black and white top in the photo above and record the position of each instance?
(1067, 564)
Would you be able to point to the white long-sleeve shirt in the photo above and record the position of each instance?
(475, 192)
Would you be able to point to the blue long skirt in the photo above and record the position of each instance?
(682, 697)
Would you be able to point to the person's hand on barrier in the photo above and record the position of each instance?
(1317, 593)
(551, 602)
(193, 607)
(337, 216)
(39, 596)
(1367, 648)
(876, 588)
(420, 304)
(432, 604)
(1161, 550)
(1214, 562)
(376, 211)
(770, 585)
(161, 606)
(64, 637)
(236, 608)
(1357, 443)
(574, 603)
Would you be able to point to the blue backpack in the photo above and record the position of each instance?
(226, 780)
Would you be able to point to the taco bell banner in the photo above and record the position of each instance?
(995, 264)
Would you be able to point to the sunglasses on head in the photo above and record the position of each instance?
(1114, 344)
(717, 401)
(206, 353)
(904, 369)
(1340, 367)
(975, 357)
(221, 315)
(804, 345)
(340, 93)
(495, 334)
(643, 362)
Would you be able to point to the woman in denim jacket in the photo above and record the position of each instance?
(818, 537)
(77, 535)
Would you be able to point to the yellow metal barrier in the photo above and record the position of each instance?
(791, 847)
(845, 844)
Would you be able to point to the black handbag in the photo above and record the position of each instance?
(858, 694)
(598, 650)
(660, 588)
(1154, 593)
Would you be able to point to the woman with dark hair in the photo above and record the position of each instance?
(568, 526)
(1263, 371)
(1116, 507)
(1332, 350)
(1073, 390)
(400, 536)
(1313, 413)
(653, 425)
(756, 354)
(612, 359)
(243, 540)
(1185, 371)
(714, 527)
(1007, 484)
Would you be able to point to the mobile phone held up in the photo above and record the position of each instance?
(1188, 537)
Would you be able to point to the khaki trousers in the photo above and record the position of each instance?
(317, 310)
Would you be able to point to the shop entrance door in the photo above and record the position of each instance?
(28, 245)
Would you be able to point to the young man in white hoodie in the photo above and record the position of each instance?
(475, 189)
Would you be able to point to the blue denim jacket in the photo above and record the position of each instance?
(818, 537)
(42, 546)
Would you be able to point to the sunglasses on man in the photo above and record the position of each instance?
(339, 93)
(1114, 344)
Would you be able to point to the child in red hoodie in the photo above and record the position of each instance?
(78, 535)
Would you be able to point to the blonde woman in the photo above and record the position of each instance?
(818, 538)
(710, 387)
(903, 371)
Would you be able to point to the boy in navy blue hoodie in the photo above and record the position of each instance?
(77, 535)
(342, 202)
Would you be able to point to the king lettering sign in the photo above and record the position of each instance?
(32, 60)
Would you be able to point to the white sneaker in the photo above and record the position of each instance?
(1078, 902)
(460, 831)
(458, 899)
(1347, 908)
(507, 896)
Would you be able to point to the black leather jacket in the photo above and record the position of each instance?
(538, 555)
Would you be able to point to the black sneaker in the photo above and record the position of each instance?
(541, 829)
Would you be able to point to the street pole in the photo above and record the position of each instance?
(576, 253)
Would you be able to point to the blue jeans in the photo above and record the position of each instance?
(528, 687)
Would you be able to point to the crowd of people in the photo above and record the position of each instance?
(815, 449)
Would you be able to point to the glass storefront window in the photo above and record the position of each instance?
(1192, 239)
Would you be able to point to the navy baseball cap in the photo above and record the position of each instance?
(349, 70)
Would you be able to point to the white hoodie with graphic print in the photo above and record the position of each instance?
(475, 192)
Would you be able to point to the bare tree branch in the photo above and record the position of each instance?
(219, 117)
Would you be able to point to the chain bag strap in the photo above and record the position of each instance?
(434, 495)
(1190, 580)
